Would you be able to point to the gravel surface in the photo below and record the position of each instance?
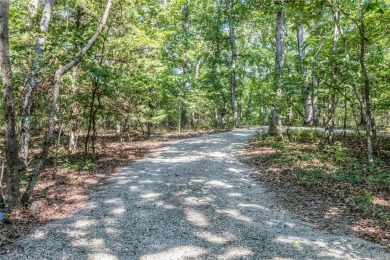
(191, 200)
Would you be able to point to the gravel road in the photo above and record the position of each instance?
(191, 200)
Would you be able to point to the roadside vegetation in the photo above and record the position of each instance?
(332, 186)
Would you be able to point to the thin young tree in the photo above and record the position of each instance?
(233, 63)
(39, 166)
(28, 94)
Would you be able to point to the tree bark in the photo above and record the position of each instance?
(28, 94)
(74, 112)
(367, 102)
(233, 64)
(307, 97)
(73, 135)
(275, 127)
(329, 126)
(183, 105)
(12, 177)
(39, 166)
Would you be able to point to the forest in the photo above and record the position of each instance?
(73, 71)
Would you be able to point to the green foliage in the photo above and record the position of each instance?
(338, 170)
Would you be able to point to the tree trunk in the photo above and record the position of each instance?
(28, 93)
(73, 135)
(74, 112)
(39, 166)
(12, 176)
(232, 65)
(183, 105)
(276, 122)
(367, 106)
(307, 97)
(329, 135)
(91, 115)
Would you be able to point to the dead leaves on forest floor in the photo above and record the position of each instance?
(63, 190)
(328, 204)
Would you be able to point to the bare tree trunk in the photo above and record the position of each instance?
(73, 135)
(12, 176)
(183, 105)
(307, 97)
(367, 106)
(276, 122)
(74, 112)
(28, 93)
(91, 115)
(39, 166)
(329, 135)
(233, 65)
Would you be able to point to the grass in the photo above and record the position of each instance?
(335, 176)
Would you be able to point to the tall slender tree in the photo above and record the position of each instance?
(11, 151)
(233, 63)
(275, 121)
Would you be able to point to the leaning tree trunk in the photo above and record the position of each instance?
(275, 126)
(28, 93)
(39, 166)
(233, 65)
(307, 97)
(11, 152)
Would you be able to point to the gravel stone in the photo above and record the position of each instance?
(193, 199)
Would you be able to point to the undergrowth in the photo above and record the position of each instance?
(340, 171)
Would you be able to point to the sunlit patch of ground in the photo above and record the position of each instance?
(64, 189)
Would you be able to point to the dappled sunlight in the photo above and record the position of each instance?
(134, 188)
(234, 194)
(179, 252)
(118, 211)
(102, 256)
(151, 195)
(197, 180)
(234, 170)
(234, 214)
(254, 206)
(84, 223)
(149, 181)
(198, 201)
(219, 184)
(115, 201)
(235, 253)
(178, 206)
(112, 231)
(39, 235)
(196, 217)
(219, 239)
(91, 243)
(336, 250)
(164, 205)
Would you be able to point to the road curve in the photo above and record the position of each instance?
(193, 199)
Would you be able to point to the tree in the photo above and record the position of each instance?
(11, 152)
(53, 107)
(275, 121)
(233, 64)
